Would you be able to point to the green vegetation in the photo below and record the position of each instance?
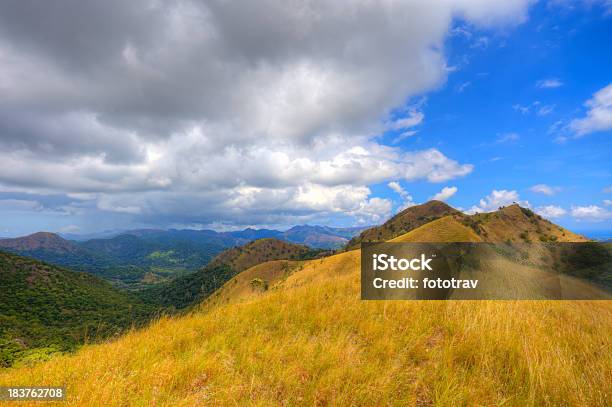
(187, 290)
(311, 341)
(127, 261)
(45, 310)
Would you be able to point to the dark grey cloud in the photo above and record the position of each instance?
(218, 109)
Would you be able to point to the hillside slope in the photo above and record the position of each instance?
(46, 309)
(405, 221)
(189, 289)
(517, 224)
(446, 229)
(309, 340)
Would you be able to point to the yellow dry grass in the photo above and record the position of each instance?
(446, 229)
(311, 341)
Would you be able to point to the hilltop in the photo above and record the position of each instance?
(46, 309)
(517, 224)
(512, 223)
(189, 289)
(405, 221)
(294, 331)
(40, 241)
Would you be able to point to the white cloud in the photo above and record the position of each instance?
(545, 110)
(549, 83)
(445, 193)
(608, 190)
(463, 86)
(520, 108)
(599, 115)
(590, 213)
(508, 138)
(396, 187)
(406, 197)
(373, 210)
(414, 118)
(544, 189)
(550, 211)
(404, 135)
(197, 112)
(496, 199)
(480, 43)
(607, 202)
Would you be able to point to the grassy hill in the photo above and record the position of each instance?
(446, 229)
(45, 309)
(517, 224)
(405, 221)
(187, 290)
(438, 221)
(309, 340)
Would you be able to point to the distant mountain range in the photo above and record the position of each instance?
(144, 256)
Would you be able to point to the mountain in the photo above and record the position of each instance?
(408, 219)
(296, 332)
(41, 241)
(254, 234)
(127, 260)
(161, 253)
(46, 309)
(189, 289)
(511, 223)
(320, 236)
(53, 249)
(136, 258)
(517, 224)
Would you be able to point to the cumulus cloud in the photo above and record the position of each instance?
(591, 213)
(550, 211)
(496, 199)
(598, 116)
(373, 210)
(544, 189)
(445, 193)
(192, 111)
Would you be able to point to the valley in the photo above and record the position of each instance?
(136, 259)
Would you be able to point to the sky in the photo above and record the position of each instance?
(225, 115)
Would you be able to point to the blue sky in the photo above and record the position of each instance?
(341, 119)
(495, 112)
